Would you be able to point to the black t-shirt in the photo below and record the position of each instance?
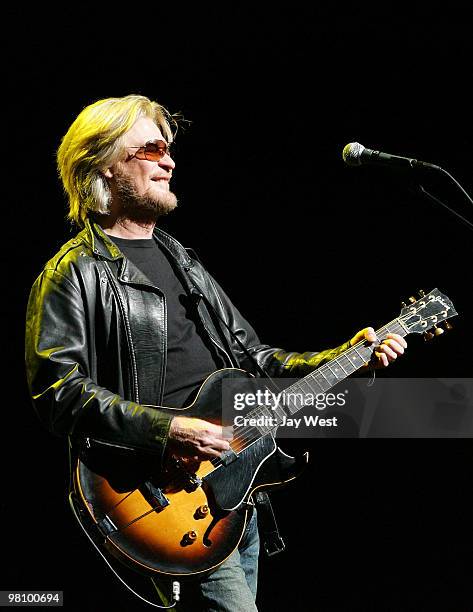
(189, 359)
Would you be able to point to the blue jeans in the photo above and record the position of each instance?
(230, 588)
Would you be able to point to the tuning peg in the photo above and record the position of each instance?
(448, 326)
(403, 305)
(428, 336)
(438, 331)
(422, 293)
(412, 299)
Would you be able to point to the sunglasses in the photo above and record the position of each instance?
(152, 151)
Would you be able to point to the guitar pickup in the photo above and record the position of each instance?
(189, 480)
(154, 496)
(228, 457)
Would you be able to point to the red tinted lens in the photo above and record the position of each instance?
(154, 151)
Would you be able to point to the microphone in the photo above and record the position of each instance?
(355, 154)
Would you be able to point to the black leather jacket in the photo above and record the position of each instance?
(96, 341)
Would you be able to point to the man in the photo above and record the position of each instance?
(123, 319)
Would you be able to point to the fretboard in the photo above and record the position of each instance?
(419, 317)
(322, 379)
(331, 373)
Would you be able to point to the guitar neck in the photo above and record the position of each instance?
(331, 373)
(419, 316)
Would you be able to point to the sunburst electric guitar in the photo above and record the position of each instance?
(185, 522)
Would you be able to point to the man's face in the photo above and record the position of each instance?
(140, 187)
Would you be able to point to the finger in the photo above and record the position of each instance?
(382, 358)
(210, 430)
(396, 347)
(367, 333)
(227, 433)
(399, 339)
(213, 451)
(218, 444)
(370, 334)
(209, 453)
(384, 348)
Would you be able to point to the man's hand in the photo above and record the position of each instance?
(387, 351)
(197, 439)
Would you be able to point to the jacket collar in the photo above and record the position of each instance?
(103, 246)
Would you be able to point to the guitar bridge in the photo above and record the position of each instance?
(106, 526)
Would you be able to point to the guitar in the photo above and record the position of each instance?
(185, 522)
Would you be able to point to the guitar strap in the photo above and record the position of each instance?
(272, 541)
(267, 525)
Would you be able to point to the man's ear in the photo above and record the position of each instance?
(107, 173)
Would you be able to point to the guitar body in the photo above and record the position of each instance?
(179, 522)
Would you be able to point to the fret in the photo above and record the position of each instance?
(320, 376)
(396, 328)
(295, 398)
(266, 428)
(291, 405)
(306, 381)
(330, 375)
(314, 377)
(339, 367)
(253, 413)
(356, 359)
(382, 333)
(364, 352)
(336, 369)
(260, 411)
(346, 364)
(279, 413)
(349, 363)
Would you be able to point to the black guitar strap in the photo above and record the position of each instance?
(268, 527)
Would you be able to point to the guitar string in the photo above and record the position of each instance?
(259, 410)
(248, 436)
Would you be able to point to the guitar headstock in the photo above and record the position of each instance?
(426, 313)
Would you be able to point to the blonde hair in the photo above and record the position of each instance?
(94, 143)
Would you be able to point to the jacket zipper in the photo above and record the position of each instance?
(91, 441)
(165, 352)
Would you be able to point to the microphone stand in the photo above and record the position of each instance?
(434, 199)
(438, 201)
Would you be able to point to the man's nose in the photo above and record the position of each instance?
(167, 162)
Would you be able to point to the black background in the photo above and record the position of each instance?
(309, 249)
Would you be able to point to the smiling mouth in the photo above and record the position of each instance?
(161, 178)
